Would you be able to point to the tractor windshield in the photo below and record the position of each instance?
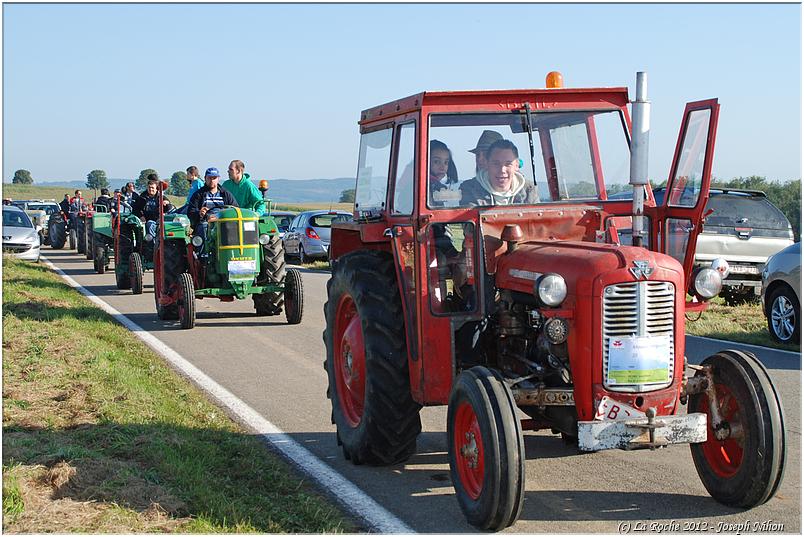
(577, 155)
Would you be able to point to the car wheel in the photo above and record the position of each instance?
(784, 313)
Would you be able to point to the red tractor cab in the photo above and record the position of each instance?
(507, 253)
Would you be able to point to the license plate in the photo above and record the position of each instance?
(638, 360)
(743, 269)
(611, 410)
(240, 268)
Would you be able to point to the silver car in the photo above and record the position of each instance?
(781, 294)
(283, 220)
(19, 234)
(308, 235)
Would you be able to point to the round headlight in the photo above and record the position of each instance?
(197, 241)
(265, 239)
(708, 283)
(722, 266)
(551, 289)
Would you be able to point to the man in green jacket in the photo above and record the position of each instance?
(240, 186)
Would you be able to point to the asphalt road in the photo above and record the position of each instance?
(277, 370)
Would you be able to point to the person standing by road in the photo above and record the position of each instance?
(241, 187)
(207, 202)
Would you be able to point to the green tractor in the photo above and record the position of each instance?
(122, 237)
(243, 256)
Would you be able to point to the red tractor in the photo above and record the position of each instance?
(549, 283)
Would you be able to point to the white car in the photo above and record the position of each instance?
(20, 237)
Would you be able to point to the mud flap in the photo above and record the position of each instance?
(635, 434)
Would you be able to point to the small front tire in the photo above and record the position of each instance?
(135, 272)
(99, 259)
(294, 296)
(745, 467)
(486, 450)
(186, 301)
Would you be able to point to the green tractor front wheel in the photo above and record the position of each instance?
(186, 301)
(135, 272)
(294, 296)
(99, 259)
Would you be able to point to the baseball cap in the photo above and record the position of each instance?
(213, 172)
(486, 139)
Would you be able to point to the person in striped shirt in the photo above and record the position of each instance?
(207, 202)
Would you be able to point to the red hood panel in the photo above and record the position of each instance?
(579, 263)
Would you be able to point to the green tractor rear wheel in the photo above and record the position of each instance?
(135, 273)
(294, 297)
(81, 236)
(90, 243)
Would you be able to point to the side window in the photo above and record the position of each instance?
(450, 268)
(372, 170)
(688, 176)
(405, 169)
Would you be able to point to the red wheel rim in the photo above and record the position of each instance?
(724, 456)
(468, 448)
(350, 361)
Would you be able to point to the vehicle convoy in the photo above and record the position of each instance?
(570, 308)
(242, 256)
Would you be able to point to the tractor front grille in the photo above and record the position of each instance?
(644, 308)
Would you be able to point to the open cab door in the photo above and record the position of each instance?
(681, 214)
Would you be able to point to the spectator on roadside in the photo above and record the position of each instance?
(244, 191)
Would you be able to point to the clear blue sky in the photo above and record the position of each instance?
(125, 87)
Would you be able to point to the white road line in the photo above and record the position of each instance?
(376, 517)
(759, 347)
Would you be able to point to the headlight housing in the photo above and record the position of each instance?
(551, 289)
(707, 283)
(264, 239)
(722, 266)
(197, 241)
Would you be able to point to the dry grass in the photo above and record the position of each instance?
(99, 436)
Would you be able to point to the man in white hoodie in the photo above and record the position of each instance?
(501, 183)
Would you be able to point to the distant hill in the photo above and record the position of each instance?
(279, 190)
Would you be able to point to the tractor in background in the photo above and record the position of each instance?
(242, 257)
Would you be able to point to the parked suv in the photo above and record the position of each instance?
(308, 235)
(745, 229)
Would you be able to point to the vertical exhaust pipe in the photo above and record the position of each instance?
(640, 120)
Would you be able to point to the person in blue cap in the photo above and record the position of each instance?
(207, 202)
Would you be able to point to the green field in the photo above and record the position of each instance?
(100, 436)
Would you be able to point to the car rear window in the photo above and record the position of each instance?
(283, 221)
(325, 220)
(16, 219)
(750, 211)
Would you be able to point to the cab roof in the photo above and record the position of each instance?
(499, 100)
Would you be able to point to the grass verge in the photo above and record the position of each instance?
(100, 436)
(744, 324)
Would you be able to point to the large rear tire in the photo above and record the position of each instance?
(135, 273)
(186, 301)
(90, 243)
(274, 271)
(745, 467)
(72, 239)
(56, 231)
(486, 450)
(376, 417)
(294, 297)
(175, 266)
(99, 259)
